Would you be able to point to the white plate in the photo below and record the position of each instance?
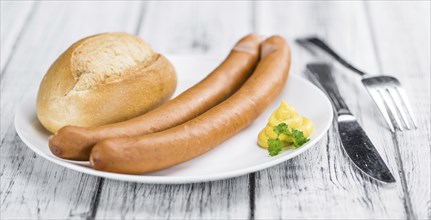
(237, 156)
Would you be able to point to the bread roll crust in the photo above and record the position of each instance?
(104, 79)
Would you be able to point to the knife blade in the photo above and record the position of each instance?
(355, 141)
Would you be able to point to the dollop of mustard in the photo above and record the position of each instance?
(287, 114)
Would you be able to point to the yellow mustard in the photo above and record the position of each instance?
(286, 114)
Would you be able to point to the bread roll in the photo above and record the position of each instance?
(103, 79)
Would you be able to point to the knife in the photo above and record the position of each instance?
(354, 140)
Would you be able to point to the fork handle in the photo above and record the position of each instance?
(322, 45)
(322, 73)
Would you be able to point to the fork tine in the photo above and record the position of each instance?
(389, 103)
(381, 105)
(406, 102)
(396, 99)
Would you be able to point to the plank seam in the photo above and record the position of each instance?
(140, 18)
(96, 199)
(328, 142)
(253, 13)
(373, 37)
(406, 198)
(18, 38)
(251, 193)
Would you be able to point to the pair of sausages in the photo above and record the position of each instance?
(75, 143)
(155, 151)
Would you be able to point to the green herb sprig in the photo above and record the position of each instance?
(275, 145)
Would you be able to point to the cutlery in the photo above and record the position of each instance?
(386, 91)
(354, 140)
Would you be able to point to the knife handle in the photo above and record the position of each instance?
(322, 72)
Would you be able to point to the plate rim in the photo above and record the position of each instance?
(178, 179)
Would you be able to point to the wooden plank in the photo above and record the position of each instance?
(402, 38)
(185, 28)
(207, 27)
(322, 183)
(227, 199)
(13, 20)
(31, 186)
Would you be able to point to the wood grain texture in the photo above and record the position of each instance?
(227, 199)
(207, 27)
(404, 52)
(14, 16)
(322, 183)
(185, 28)
(32, 187)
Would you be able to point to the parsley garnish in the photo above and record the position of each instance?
(275, 145)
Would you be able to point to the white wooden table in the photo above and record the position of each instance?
(380, 37)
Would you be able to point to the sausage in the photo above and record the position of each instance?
(72, 142)
(151, 152)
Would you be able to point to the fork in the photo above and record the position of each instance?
(386, 91)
